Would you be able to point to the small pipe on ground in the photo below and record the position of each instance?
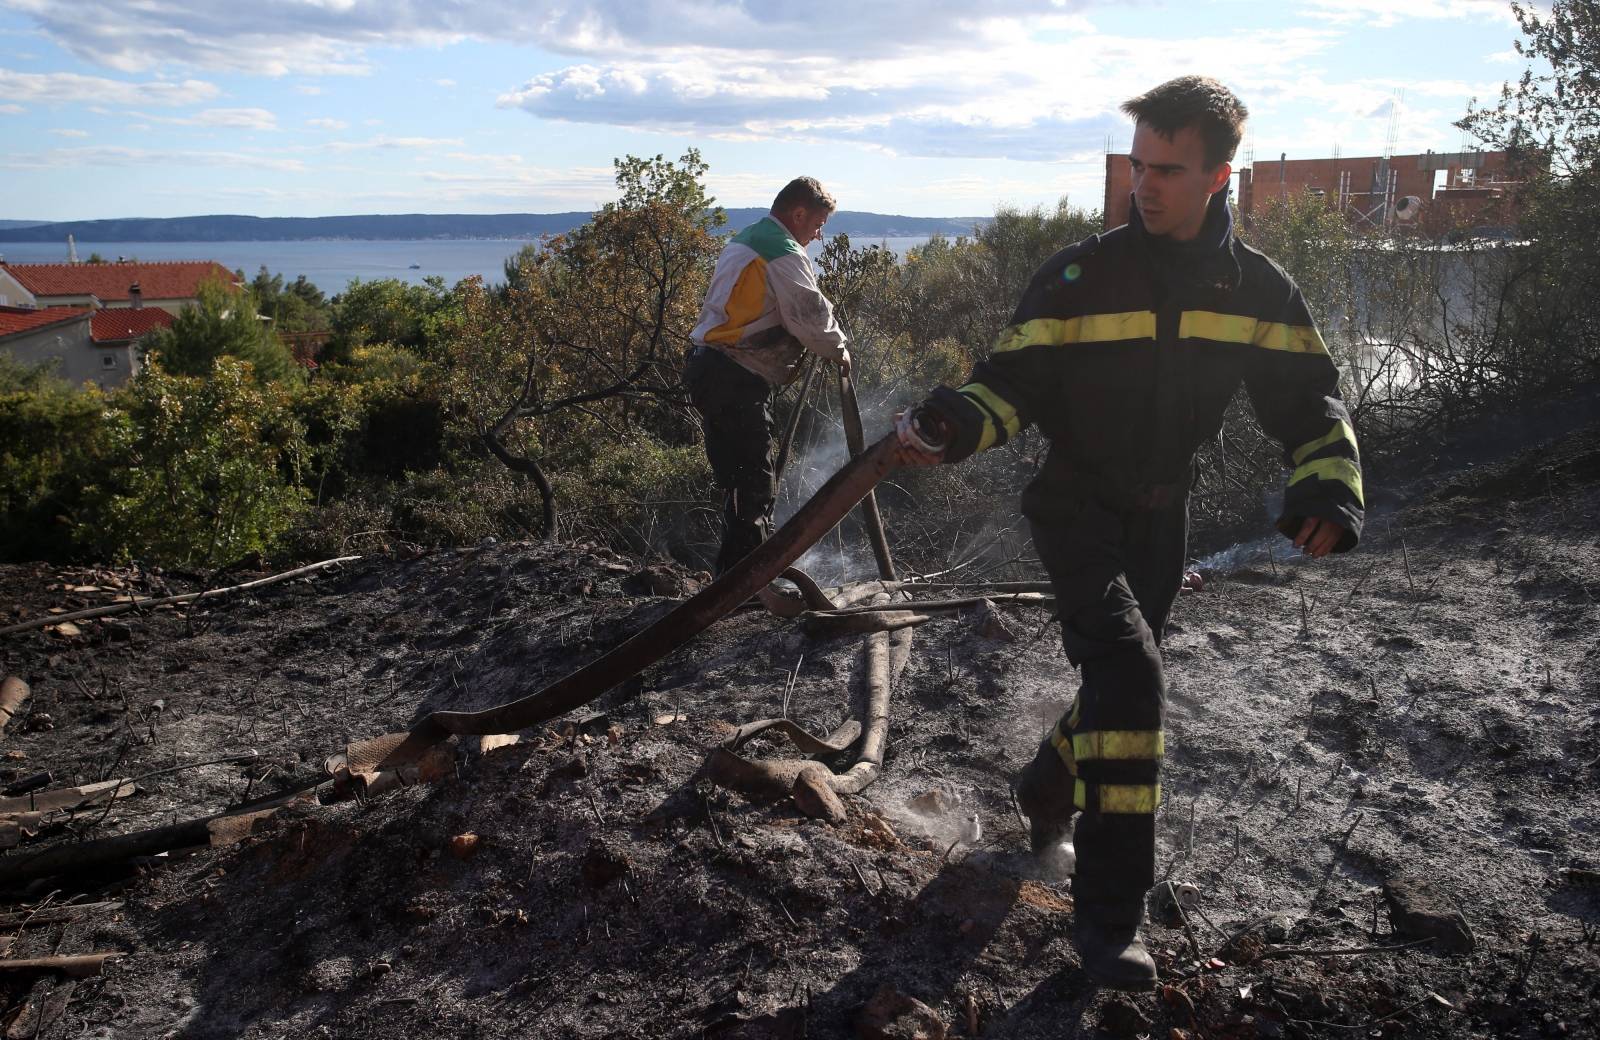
(188, 597)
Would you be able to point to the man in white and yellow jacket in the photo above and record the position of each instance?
(762, 313)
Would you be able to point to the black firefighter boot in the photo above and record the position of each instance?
(1113, 951)
(1044, 795)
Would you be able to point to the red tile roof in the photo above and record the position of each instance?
(120, 324)
(163, 280)
(25, 319)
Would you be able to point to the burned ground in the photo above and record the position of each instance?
(1421, 717)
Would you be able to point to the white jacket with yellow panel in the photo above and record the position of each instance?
(763, 308)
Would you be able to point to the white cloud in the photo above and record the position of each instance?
(982, 192)
(991, 96)
(220, 118)
(515, 184)
(60, 87)
(279, 37)
(385, 142)
(70, 133)
(1003, 79)
(116, 156)
(1354, 116)
(11, 110)
(1385, 14)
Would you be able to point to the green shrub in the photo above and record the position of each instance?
(52, 447)
(222, 323)
(208, 472)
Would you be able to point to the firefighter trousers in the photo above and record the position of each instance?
(735, 407)
(1116, 572)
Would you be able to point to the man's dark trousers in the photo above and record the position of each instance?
(735, 407)
(1116, 569)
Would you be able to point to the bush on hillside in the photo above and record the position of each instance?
(209, 470)
(53, 448)
(222, 323)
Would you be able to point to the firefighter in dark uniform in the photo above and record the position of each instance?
(1125, 350)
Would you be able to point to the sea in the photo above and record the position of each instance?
(332, 264)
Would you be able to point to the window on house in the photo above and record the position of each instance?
(108, 361)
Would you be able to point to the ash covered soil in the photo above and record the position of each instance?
(1363, 751)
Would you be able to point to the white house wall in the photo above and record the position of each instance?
(72, 354)
(12, 294)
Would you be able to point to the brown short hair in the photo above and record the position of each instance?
(1198, 101)
(804, 191)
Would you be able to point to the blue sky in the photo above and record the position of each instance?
(114, 108)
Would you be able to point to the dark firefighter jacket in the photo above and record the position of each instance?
(1125, 350)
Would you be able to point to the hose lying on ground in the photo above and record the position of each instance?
(813, 520)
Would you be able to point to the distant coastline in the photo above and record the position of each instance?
(507, 227)
(331, 264)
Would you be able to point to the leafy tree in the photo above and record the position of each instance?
(1553, 116)
(209, 468)
(519, 264)
(1550, 122)
(52, 446)
(222, 323)
(297, 306)
(592, 326)
(390, 311)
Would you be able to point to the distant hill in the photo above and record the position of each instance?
(396, 226)
(8, 224)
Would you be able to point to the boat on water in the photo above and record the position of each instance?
(416, 267)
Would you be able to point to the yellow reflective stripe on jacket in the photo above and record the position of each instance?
(1087, 328)
(995, 406)
(1236, 328)
(1063, 748)
(1345, 471)
(1341, 432)
(1119, 798)
(1110, 744)
(745, 303)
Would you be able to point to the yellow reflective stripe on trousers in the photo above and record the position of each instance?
(1237, 328)
(1063, 748)
(1345, 471)
(1119, 744)
(1087, 328)
(1341, 432)
(1119, 798)
(1000, 407)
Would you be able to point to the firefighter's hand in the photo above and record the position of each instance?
(844, 361)
(915, 447)
(1318, 536)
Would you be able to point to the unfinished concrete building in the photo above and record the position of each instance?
(1435, 192)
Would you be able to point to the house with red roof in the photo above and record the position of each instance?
(124, 326)
(81, 345)
(170, 285)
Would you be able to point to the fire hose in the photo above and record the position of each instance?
(810, 523)
(397, 759)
